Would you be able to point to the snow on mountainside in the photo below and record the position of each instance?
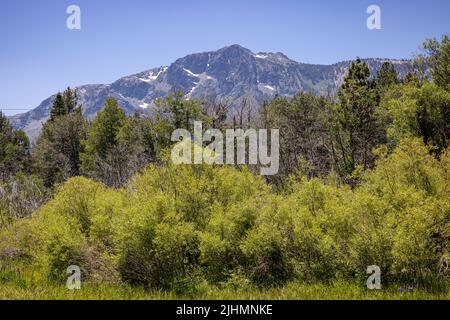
(232, 73)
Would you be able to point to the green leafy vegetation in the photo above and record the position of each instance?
(364, 180)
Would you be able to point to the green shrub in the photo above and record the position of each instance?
(218, 204)
(161, 254)
(80, 226)
(266, 259)
(411, 191)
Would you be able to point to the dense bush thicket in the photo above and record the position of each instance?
(184, 224)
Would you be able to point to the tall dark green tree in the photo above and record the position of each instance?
(412, 78)
(178, 111)
(58, 108)
(437, 57)
(14, 150)
(355, 123)
(117, 146)
(57, 152)
(387, 75)
(64, 103)
(104, 133)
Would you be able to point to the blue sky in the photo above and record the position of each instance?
(39, 55)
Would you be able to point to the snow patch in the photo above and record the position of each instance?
(144, 105)
(261, 56)
(267, 89)
(152, 76)
(193, 88)
(202, 78)
(191, 73)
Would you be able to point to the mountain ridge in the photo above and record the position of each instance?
(232, 73)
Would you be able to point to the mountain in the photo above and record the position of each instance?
(232, 73)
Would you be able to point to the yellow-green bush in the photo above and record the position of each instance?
(410, 191)
(161, 254)
(80, 226)
(186, 218)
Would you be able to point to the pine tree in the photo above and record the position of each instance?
(14, 150)
(412, 78)
(182, 112)
(70, 100)
(105, 159)
(387, 75)
(104, 132)
(5, 129)
(354, 120)
(118, 146)
(57, 107)
(64, 103)
(57, 152)
(437, 56)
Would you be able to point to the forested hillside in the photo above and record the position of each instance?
(364, 180)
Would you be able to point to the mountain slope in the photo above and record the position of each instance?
(232, 73)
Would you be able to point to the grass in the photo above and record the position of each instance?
(21, 284)
(291, 291)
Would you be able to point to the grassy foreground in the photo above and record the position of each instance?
(292, 291)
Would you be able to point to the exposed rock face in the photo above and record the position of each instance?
(232, 73)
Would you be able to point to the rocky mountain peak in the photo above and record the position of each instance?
(232, 73)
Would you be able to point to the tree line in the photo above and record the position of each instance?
(319, 135)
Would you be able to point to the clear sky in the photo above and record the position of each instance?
(39, 55)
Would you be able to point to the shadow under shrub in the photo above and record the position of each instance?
(161, 255)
